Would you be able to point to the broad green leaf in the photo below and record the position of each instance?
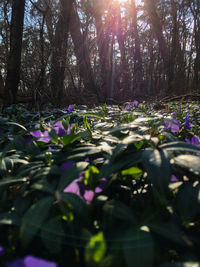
(53, 235)
(133, 171)
(118, 209)
(90, 176)
(69, 139)
(34, 218)
(157, 165)
(95, 249)
(190, 162)
(138, 248)
(109, 167)
(16, 124)
(180, 264)
(78, 205)
(19, 142)
(10, 181)
(187, 201)
(179, 146)
(53, 135)
(168, 231)
(44, 187)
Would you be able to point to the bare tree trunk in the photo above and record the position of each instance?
(14, 58)
(82, 56)
(58, 63)
(195, 9)
(138, 69)
(103, 45)
(2, 88)
(157, 28)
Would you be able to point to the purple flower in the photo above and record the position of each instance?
(128, 107)
(135, 103)
(174, 178)
(79, 188)
(187, 123)
(45, 137)
(60, 130)
(36, 134)
(70, 108)
(28, 139)
(174, 128)
(194, 140)
(66, 165)
(1, 250)
(176, 121)
(99, 188)
(69, 128)
(30, 261)
(42, 136)
(87, 159)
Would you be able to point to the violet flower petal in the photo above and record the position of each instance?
(69, 129)
(70, 108)
(66, 165)
(195, 140)
(16, 263)
(88, 196)
(1, 250)
(73, 188)
(174, 178)
(36, 133)
(128, 107)
(31, 261)
(135, 103)
(174, 128)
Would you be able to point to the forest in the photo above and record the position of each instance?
(99, 133)
(113, 50)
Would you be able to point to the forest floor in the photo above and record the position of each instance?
(82, 184)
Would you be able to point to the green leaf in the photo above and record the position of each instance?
(189, 162)
(180, 146)
(124, 161)
(138, 248)
(168, 231)
(90, 175)
(180, 264)
(76, 202)
(17, 124)
(96, 249)
(53, 234)
(34, 218)
(10, 180)
(69, 139)
(157, 165)
(53, 135)
(133, 171)
(44, 187)
(187, 201)
(19, 142)
(119, 210)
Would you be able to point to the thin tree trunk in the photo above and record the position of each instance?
(138, 69)
(58, 62)
(102, 44)
(14, 58)
(82, 56)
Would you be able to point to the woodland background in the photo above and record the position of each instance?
(94, 51)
